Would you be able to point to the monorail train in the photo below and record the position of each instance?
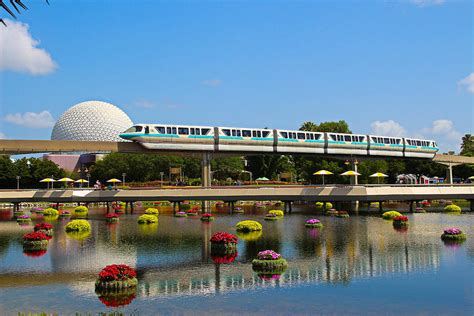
(236, 139)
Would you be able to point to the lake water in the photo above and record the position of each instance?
(358, 265)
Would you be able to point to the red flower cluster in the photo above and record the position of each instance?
(207, 215)
(43, 226)
(116, 301)
(35, 236)
(112, 215)
(401, 219)
(193, 210)
(224, 238)
(117, 272)
(229, 258)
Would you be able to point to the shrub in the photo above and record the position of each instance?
(23, 218)
(270, 217)
(116, 277)
(112, 218)
(269, 262)
(277, 213)
(44, 228)
(35, 241)
(81, 209)
(78, 225)
(320, 205)
(453, 234)
(400, 221)
(452, 208)
(224, 237)
(342, 214)
(152, 211)
(248, 226)
(147, 219)
(207, 217)
(50, 212)
(391, 214)
(222, 243)
(180, 214)
(313, 223)
(185, 207)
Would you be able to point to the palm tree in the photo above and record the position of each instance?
(14, 3)
(467, 145)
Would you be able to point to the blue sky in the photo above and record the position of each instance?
(395, 68)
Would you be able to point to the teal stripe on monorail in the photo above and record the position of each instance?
(396, 145)
(200, 136)
(314, 141)
(232, 137)
(377, 144)
(290, 140)
(359, 143)
(148, 135)
(262, 138)
(336, 142)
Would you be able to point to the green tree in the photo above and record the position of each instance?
(467, 145)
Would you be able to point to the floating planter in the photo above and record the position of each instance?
(18, 213)
(391, 215)
(114, 299)
(35, 241)
(331, 212)
(152, 211)
(238, 210)
(400, 221)
(112, 218)
(313, 223)
(192, 212)
(207, 217)
(23, 219)
(278, 203)
(50, 212)
(320, 205)
(224, 259)
(81, 211)
(269, 262)
(453, 234)
(64, 214)
(78, 225)
(223, 243)
(248, 226)
(44, 228)
(147, 219)
(37, 210)
(185, 207)
(271, 217)
(250, 236)
(342, 214)
(116, 277)
(420, 210)
(278, 213)
(180, 214)
(452, 208)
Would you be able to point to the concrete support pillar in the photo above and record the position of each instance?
(131, 207)
(449, 174)
(126, 207)
(380, 206)
(174, 207)
(108, 207)
(57, 205)
(471, 206)
(412, 206)
(232, 206)
(206, 170)
(324, 206)
(290, 206)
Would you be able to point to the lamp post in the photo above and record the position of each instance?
(161, 175)
(88, 179)
(123, 178)
(18, 182)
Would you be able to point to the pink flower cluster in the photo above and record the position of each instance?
(23, 216)
(268, 255)
(452, 231)
(313, 221)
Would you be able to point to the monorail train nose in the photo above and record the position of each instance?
(126, 136)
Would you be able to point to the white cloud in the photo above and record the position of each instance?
(387, 128)
(146, 104)
(468, 82)
(19, 51)
(2, 136)
(212, 82)
(425, 3)
(42, 119)
(445, 130)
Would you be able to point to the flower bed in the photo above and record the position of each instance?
(116, 277)
(342, 214)
(400, 221)
(180, 214)
(320, 205)
(248, 226)
(223, 243)
(23, 218)
(147, 219)
(152, 211)
(224, 259)
(313, 223)
(50, 212)
(271, 217)
(192, 212)
(81, 211)
(238, 210)
(64, 214)
(331, 212)
(207, 217)
(278, 213)
(452, 208)
(453, 234)
(78, 225)
(44, 228)
(112, 218)
(269, 262)
(35, 241)
(391, 215)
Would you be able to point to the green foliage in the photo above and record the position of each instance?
(277, 212)
(391, 215)
(81, 209)
(185, 207)
(152, 211)
(269, 266)
(457, 237)
(248, 226)
(147, 219)
(78, 225)
(335, 127)
(467, 145)
(50, 212)
(269, 166)
(452, 208)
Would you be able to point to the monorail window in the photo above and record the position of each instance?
(246, 133)
(333, 137)
(192, 131)
(168, 130)
(205, 131)
(198, 131)
(238, 133)
(293, 135)
(418, 143)
(225, 131)
(173, 129)
(134, 129)
(265, 133)
(160, 129)
(284, 134)
(301, 136)
(259, 134)
(347, 138)
(183, 131)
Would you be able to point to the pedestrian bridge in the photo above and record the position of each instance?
(328, 193)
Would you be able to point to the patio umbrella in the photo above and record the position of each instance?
(471, 178)
(322, 173)
(48, 180)
(378, 175)
(262, 179)
(65, 180)
(114, 181)
(81, 181)
(350, 173)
